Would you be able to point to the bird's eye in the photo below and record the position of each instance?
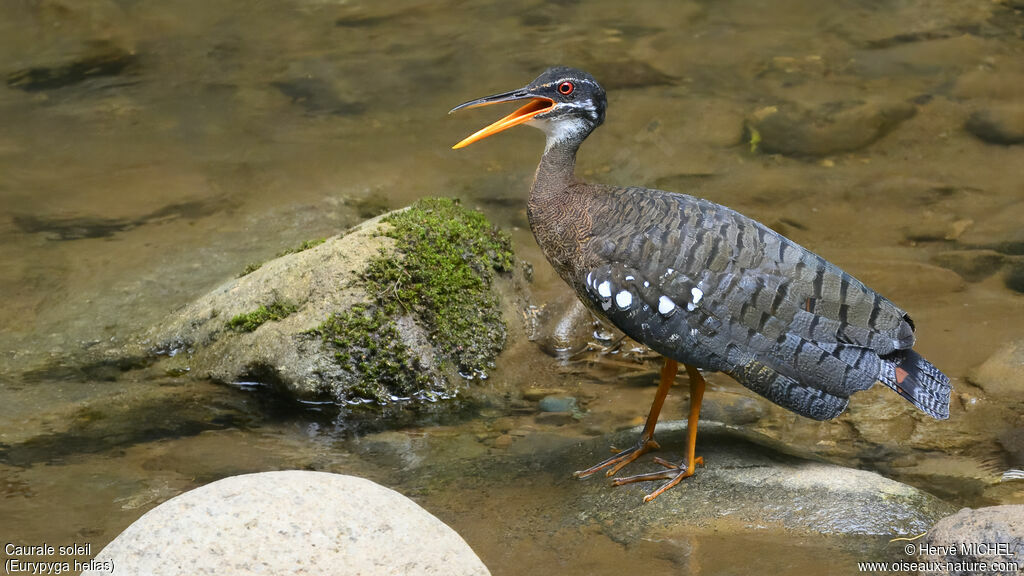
(566, 88)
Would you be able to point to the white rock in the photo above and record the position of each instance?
(290, 522)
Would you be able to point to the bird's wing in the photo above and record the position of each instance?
(744, 300)
(695, 331)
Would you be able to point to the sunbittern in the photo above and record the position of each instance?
(706, 286)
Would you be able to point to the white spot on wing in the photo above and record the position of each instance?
(604, 289)
(697, 294)
(623, 299)
(666, 306)
(630, 278)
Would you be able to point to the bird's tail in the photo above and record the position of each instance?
(917, 380)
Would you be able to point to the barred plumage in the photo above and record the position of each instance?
(776, 317)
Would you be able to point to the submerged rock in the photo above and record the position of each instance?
(830, 129)
(1002, 375)
(557, 404)
(1015, 277)
(317, 96)
(395, 308)
(971, 265)
(99, 59)
(622, 74)
(992, 536)
(289, 522)
(998, 125)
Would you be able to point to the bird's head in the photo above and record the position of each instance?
(566, 103)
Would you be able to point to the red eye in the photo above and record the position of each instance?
(565, 88)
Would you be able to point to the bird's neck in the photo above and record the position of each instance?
(558, 209)
(556, 172)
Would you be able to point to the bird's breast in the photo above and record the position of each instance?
(563, 227)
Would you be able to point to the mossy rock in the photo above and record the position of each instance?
(404, 306)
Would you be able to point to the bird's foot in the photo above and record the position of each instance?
(621, 459)
(674, 475)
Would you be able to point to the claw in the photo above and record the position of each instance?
(675, 473)
(621, 459)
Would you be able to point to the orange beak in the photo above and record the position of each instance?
(537, 105)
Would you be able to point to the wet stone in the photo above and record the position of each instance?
(971, 265)
(829, 129)
(989, 535)
(344, 338)
(729, 408)
(1002, 125)
(1002, 375)
(557, 404)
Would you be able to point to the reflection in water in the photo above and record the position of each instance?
(151, 150)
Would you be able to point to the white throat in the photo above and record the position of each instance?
(559, 131)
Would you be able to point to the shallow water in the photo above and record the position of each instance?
(152, 150)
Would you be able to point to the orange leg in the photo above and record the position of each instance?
(646, 442)
(675, 473)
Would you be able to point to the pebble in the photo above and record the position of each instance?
(503, 425)
(968, 401)
(557, 404)
(503, 441)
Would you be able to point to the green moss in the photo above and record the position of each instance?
(447, 259)
(304, 246)
(441, 272)
(249, 269)
(368, 344)
(253, 320)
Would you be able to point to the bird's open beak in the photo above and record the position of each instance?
(537, 105)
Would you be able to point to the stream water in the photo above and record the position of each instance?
(151, 150)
